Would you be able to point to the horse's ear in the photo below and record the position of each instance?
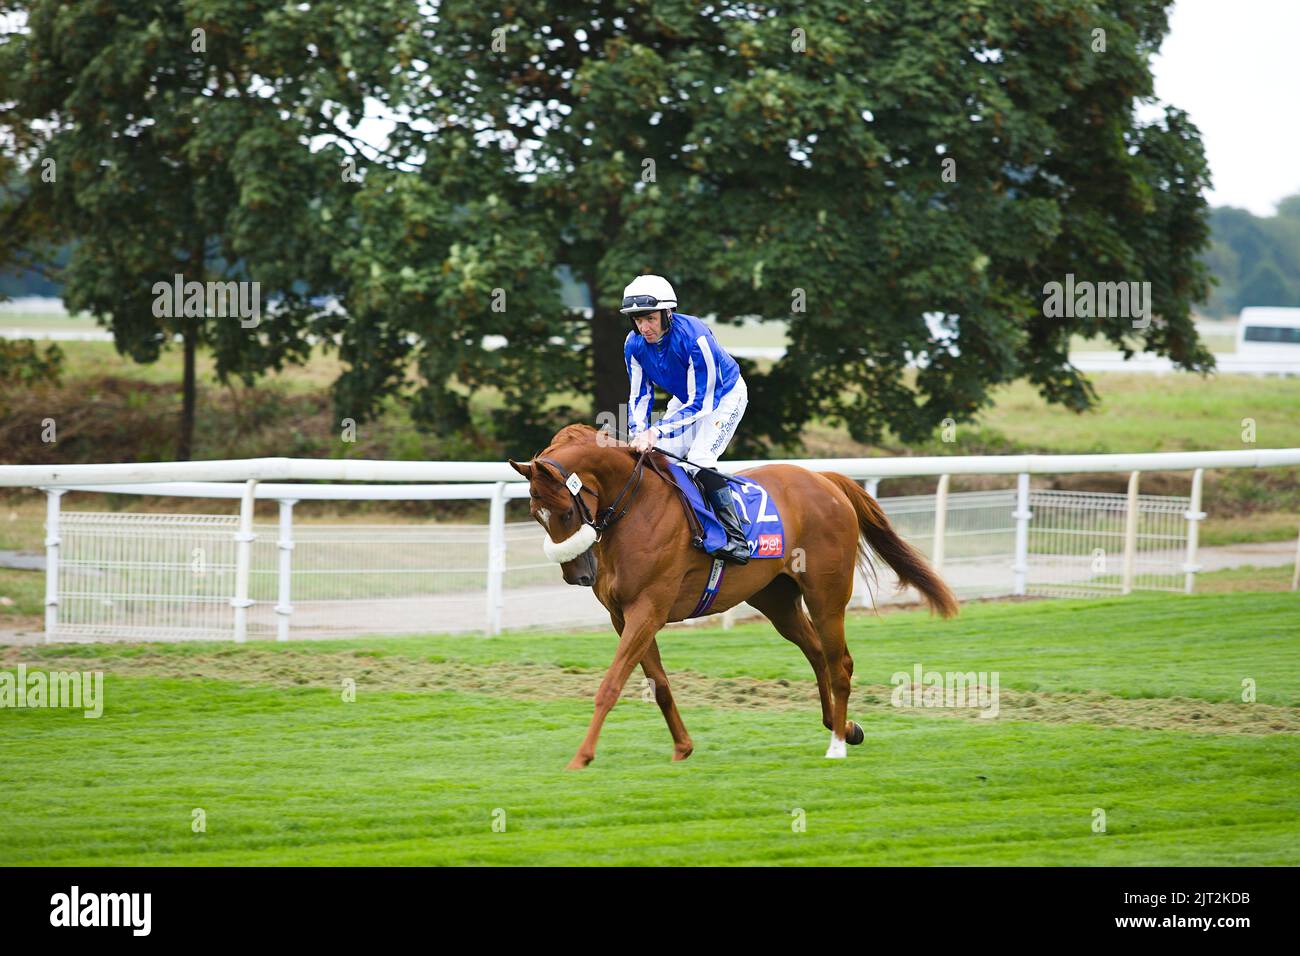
(526, 469)
(548, 469)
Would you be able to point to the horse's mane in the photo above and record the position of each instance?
(577, 433)
(580, 433)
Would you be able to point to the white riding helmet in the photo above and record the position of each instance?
(648, 293)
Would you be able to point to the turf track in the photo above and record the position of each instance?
(1129, 705)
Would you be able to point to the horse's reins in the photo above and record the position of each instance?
(605, 518)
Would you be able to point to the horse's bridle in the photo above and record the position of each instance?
(605, 518)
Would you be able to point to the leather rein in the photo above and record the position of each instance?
(606, 517)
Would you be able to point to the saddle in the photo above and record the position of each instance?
(757, 513)
(659, 465)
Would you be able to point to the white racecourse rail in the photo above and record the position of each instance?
(179, 576)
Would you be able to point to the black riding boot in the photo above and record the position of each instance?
(737, 547)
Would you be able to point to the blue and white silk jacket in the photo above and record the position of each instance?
(688, 363)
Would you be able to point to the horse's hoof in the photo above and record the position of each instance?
(683, 754)
(837, 750)
(577, 763)
(856, 734)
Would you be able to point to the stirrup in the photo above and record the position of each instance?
(729, 552)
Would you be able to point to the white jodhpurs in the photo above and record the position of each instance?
(704, 439)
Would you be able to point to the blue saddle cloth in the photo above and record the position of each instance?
(757, 513)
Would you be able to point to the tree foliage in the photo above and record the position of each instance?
(174, 138)
(851, 169)
(1256, 259)
(781, 173)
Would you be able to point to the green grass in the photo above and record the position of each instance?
(293, 775)
(1257, 526)
(25, 589)
(1249, 578)
(1139, 413)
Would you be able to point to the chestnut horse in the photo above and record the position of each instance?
(619, 526)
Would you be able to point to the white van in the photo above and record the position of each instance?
(1269, 333)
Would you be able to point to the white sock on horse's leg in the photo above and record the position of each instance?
(838, 749)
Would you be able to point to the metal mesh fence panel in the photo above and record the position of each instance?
(172, 576)
(146, 576)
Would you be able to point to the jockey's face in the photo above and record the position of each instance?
(650, 325)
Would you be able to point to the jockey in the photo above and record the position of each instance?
(678, 353)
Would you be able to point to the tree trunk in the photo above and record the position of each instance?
(185, 445)
(190, 336)
(609, 375)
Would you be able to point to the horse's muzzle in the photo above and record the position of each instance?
(581, 571)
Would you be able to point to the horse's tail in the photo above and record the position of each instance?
(908, 563)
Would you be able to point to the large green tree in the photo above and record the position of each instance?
(867, 172)
(788, 163)
(177, 138)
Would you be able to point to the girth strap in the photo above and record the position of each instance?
(711, 588)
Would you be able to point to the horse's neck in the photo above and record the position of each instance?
(650, 492)
(615, 474)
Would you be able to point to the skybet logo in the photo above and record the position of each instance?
(102, 909)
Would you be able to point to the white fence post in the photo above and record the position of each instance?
(52, 542)
(940, 524)
(243, 560)
(1295, 577)
(1194, 515)
(283, 609)
(1130, 534)
(496, 563)
(1022, 514)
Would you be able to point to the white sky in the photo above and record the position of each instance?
(1234, 66)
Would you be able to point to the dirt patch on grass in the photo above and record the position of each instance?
(1106, 710)
(544, 681)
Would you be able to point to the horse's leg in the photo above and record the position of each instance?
(653, 667)
(641, 623)
(779, 603)
(827, 606)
